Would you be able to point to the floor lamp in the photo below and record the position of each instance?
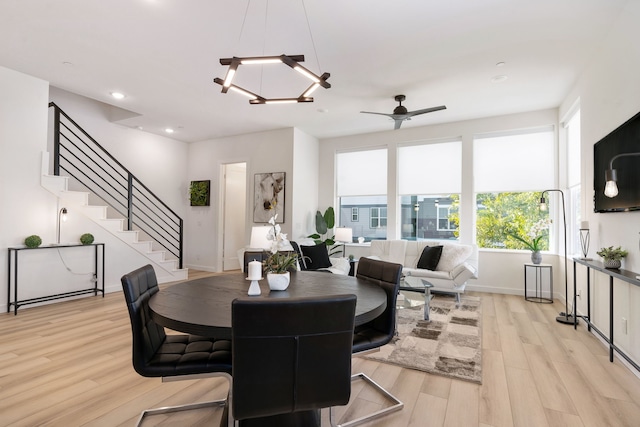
(566, 317)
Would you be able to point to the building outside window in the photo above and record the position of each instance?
(510, 172)
(429, 184)
(355, 214)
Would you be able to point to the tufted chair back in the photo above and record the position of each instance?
(291, 354)
(148, 337)
(379, 331)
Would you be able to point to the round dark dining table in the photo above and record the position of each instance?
(203, 306)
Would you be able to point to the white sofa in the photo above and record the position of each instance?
(458, 263)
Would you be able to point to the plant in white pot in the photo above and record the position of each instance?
(278, 264)
(612, 256)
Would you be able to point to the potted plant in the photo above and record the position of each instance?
(33, 241)
(612, 256)
(86, 239)
(535, 239)
(278, 264)
(324, 223)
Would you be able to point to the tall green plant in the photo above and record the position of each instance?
(324, 224)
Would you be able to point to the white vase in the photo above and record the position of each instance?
(278, 281)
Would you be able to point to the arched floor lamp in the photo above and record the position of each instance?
(566, 317)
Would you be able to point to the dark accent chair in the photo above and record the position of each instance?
(172, 357)
(291, 357)
(373, 335)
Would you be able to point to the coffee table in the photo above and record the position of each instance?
(421, 285)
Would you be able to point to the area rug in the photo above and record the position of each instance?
(450, 344)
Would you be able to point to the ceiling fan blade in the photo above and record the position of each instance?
(426, 110)
(398, 124)
(381, 114)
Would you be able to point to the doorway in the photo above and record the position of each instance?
(234, 214)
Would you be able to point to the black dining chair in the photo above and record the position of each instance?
(378, 332)
(291, 357)
(171, 357)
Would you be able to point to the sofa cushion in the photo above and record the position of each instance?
(453, 255)
(316, 256)
(430, 257)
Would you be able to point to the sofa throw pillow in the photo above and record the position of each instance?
(430, 257)
(453, 255)
(316, 256)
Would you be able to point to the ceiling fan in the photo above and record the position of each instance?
(401, 114)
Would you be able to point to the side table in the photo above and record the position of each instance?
(537, 270)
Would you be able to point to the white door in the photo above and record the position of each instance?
(235, 206)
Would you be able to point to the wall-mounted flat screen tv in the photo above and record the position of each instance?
(624, 139)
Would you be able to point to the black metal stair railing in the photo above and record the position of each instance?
(80, 157)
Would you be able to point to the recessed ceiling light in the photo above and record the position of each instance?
(67, 63)
(169, 130)
(498, 79)
(500, 64)
(118, 95)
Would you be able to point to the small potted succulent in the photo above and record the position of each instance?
(612, 256)
(86, 239)
(33, 241)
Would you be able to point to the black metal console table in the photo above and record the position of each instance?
(12, 273)
(620, 274)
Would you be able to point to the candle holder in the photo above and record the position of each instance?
(585, 238)
(254, 288)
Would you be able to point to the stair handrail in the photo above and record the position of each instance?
(168, 237)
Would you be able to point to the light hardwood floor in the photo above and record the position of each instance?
(69, 364)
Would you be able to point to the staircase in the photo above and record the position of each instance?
(126, 208)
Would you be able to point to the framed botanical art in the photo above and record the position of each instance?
(200, 193)
(268, 197)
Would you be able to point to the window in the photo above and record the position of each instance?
(510, 172)
(429, 184)
(378, 217)
(362, 191)
(444, 218)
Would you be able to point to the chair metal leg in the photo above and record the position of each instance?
(397, 404)
(178, 408)
(190, 406)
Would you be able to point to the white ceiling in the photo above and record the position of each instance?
(164, 54)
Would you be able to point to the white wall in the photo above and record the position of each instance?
(263, 152)
(609, 93)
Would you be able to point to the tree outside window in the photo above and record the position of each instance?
(500, 216)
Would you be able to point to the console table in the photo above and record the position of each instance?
(12, 273)
(620, 274)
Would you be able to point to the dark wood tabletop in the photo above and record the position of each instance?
(203, 306)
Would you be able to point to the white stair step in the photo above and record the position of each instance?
(128, 236)
(55, 184)
(77, 197)
(95, 212)
(112, 225)
(169, 264)
(156, 256)
(143, 247)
